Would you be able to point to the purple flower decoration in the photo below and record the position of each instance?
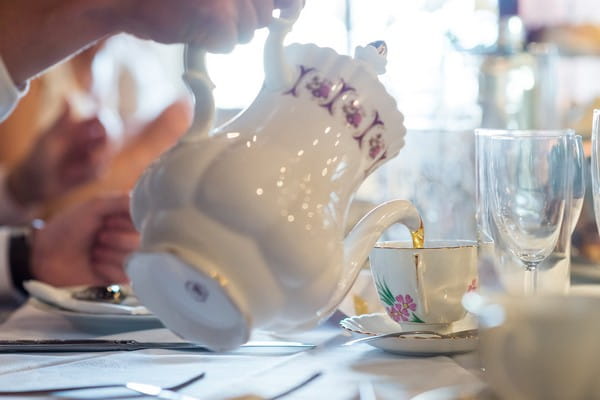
(376, 145)
(353, 113)
(320, 88)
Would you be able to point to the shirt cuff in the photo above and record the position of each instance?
(10, 212)
(9, 92)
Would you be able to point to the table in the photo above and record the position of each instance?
(258, 371)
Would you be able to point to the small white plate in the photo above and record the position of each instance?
(588, 272)
(102, 323)
(380, 323)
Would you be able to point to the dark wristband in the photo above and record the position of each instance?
(19, 259)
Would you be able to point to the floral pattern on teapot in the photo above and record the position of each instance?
(328, 94)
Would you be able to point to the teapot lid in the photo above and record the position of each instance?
(374, 55)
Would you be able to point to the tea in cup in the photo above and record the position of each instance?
(424, 286)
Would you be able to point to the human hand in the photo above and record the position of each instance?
(36, 34)
(85, 245)
(68, 154)
(217, 26)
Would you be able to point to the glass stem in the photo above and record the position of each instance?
(531, 278)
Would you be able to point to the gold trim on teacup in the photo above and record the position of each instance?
(419, 280)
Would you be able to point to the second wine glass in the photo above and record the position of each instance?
(527, 184)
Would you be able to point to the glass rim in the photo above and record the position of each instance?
(526, 132)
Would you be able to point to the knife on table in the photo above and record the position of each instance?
(93, 345)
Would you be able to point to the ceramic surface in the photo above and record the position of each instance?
(244, 227)
(380, 323)
(102, 323)
(424, 286)
(540, 347)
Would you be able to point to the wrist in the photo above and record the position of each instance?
(36, 34)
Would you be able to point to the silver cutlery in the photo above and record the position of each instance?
(297, 386)
(157, 391)
(160, 393)
(468, 333)
(93, 345)
(134, 386)
(115, 294)
(169, 393)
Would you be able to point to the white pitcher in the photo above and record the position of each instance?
(243, 227)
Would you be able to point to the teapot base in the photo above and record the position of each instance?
(193, 304)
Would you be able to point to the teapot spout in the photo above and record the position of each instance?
(368, 230)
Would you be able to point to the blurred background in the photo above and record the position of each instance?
(453, 65)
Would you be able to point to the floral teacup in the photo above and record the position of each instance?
(424, 286)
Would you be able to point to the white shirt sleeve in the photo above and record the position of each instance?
(9, 92)
(10, 212)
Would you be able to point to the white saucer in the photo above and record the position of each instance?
(380, 323)
(585, 271)
(102, 323)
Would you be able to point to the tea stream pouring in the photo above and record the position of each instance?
(243, 226)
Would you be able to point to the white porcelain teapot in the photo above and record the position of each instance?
(243, 227)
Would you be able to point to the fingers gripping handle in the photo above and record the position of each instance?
(278, 73)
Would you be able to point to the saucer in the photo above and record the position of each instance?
(101, 323)
(380, 323)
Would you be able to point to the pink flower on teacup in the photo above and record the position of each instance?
(397, 313)
(400, 311)
(406, 302)
(472, 286)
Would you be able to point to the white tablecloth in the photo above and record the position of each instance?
(259, 371)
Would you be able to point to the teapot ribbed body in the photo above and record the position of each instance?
(251, 218)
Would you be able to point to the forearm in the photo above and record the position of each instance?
(36, 34)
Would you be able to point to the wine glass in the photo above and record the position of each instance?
(527, 178)
(575, 203)
(596, 165)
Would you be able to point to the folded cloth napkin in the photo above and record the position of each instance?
(63, 298)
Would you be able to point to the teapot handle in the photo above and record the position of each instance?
(198, 81)
(279, 74)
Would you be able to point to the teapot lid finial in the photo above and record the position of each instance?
(374, 55)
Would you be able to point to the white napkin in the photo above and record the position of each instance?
(62, 298)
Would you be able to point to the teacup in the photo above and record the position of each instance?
(540, 347)
(424, 286)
